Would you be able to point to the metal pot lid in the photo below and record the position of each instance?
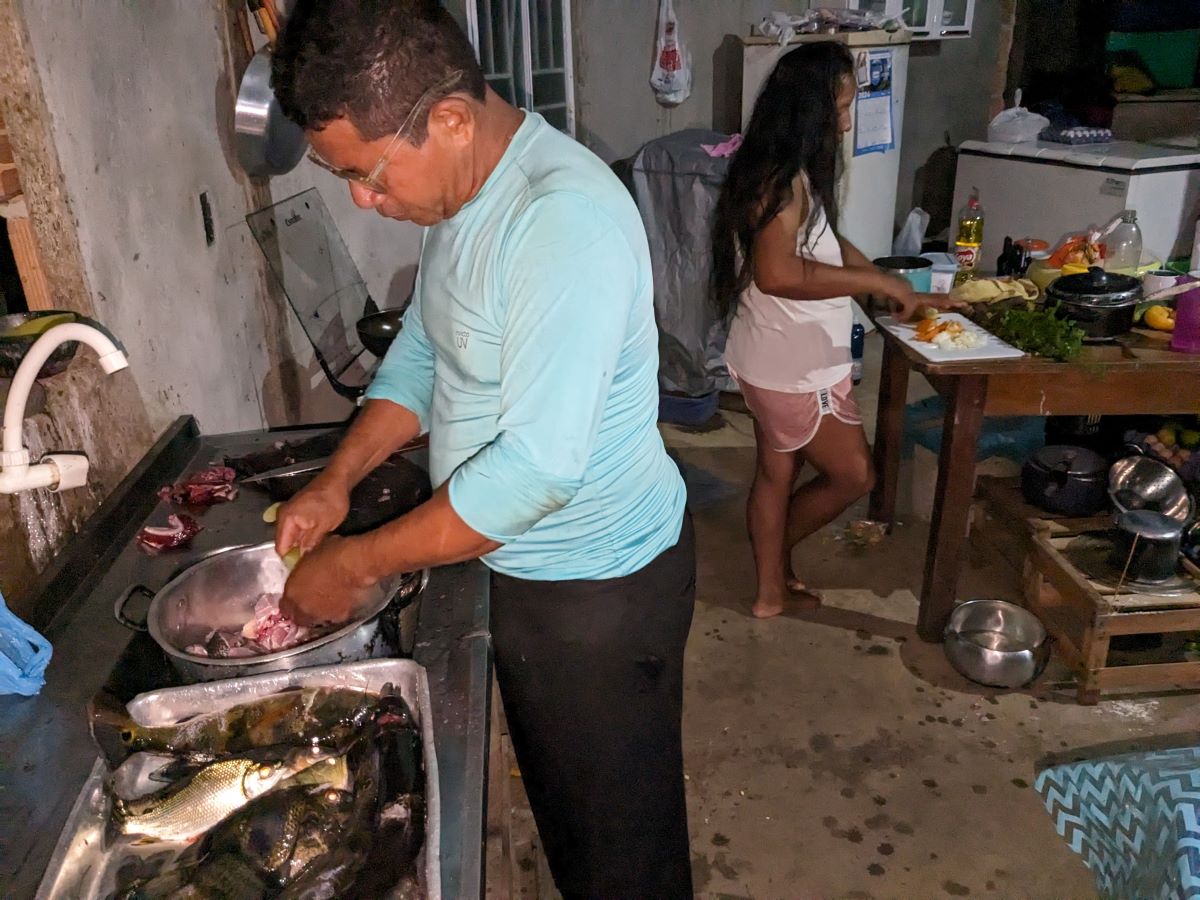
(903, 263)
(1096, 287)
(1078, 461)
(1149, 525)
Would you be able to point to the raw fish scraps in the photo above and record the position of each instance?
(179, 532)
(204, 488)
(268, 631)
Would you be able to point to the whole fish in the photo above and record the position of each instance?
(400, 829)
(212, 794)
(225, 876)
(272, 830)
(395, 847)
(331, 874)
(297, 716)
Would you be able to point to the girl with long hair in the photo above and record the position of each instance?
(786, 276)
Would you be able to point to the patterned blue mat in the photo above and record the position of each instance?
(1134, 819)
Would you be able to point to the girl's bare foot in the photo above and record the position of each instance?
(798, 598)
(802, 594)
(767, 607)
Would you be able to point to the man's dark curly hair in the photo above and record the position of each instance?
(369, 61)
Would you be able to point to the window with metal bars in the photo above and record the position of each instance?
(524, 47)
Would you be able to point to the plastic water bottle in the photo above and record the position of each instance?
(1123, 246)
(858, 336)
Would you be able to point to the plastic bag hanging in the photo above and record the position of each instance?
(672, 75)
(1016, 125)
(24, 655)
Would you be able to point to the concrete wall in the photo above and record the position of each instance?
(614, 54)
(141, 104)
(122, 115)
(949, 82)
(950, 87)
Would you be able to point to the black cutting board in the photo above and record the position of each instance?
(396, 487)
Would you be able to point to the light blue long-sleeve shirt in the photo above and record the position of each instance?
(530, 353)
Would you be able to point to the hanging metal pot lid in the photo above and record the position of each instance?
(1096, 287)
(1150, 525)
(1077, 461)
(268, 142)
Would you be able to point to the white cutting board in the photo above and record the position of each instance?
(993, 348)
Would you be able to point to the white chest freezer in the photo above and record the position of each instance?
(1046, 190)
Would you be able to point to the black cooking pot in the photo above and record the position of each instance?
(1102, 303)
(1147, 546)
(1067, 481)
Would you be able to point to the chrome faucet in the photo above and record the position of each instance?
(57, 471)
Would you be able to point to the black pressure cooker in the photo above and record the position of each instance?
(1101, 303)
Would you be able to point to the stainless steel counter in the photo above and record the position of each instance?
(45, 750)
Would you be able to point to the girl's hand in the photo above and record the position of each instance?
(899, 294)
(942, 301)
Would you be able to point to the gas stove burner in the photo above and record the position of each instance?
(1091, 554)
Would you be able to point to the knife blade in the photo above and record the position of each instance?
(308, 465)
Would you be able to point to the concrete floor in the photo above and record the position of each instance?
(834, 754)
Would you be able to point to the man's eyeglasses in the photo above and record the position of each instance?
(371, 181)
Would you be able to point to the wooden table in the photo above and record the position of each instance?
(1137, 376)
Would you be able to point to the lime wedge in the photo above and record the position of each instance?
(292, 557)
(271, 513)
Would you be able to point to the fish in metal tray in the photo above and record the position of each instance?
(299, 716)
(215, 792)
(275, 836)
(225, 877)
(287, 825)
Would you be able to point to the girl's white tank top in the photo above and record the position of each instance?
(795, 346)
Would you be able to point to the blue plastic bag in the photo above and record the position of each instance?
(24, 655)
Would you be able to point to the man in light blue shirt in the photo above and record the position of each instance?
(529, 354)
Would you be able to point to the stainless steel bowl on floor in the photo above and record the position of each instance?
(995, 643)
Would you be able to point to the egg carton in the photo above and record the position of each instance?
(1076, 135)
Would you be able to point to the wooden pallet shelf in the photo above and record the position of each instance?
(1084, 616)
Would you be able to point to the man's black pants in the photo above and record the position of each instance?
(591, 673)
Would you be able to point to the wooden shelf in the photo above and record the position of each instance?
(1083, 617)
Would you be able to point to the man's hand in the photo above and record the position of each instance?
(314, 512)
(326, 585)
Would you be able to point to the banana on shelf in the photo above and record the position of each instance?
(991, 290)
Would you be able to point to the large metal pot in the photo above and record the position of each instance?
(1147, 546)
(1068, 481)
(268, 142)
(1101, 303)
(219, 592)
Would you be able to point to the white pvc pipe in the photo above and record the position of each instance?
(111, 360)
(14, 479)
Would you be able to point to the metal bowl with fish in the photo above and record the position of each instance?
(218, 595)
